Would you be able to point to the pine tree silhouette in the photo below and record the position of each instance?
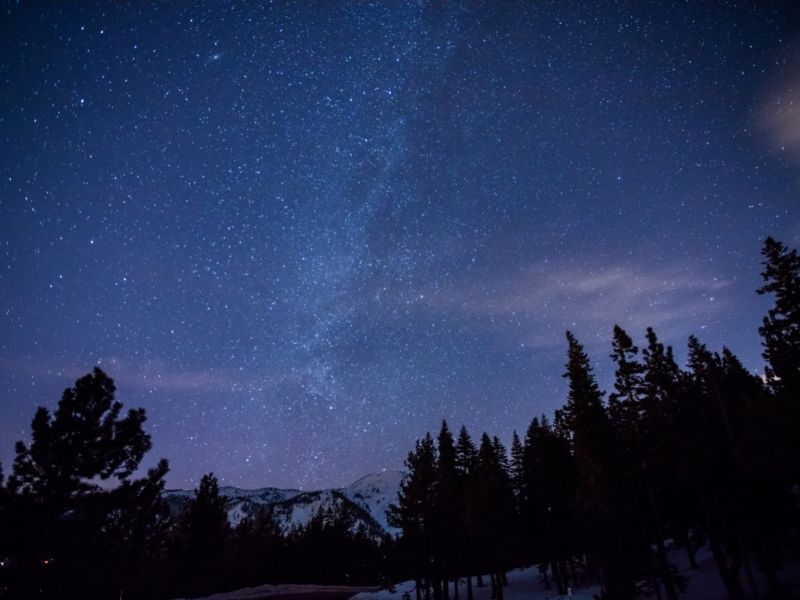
(601, 511)
(68, 531)
(781, 326)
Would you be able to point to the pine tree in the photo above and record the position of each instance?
(781, 326)
(202, 531)
(764, 464)
(629, 392)
(584, 415)
(517, 465)
(137, 527)
(600, 508)
(64, 525)
(711, 433)
(466, 453)
(490, 510)
(447, 517)
(85, 440)
(415, 511)
(466, 463)
(666, 425)
(547, 494)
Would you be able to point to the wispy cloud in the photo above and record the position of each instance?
(778, 112)
(158, 375)
(777, 115)
(547, 298)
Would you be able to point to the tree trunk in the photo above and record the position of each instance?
(480, 580)
(543, 571)
(562, 589)
(663, 561)
(661, 552)
(469, 588)
(499, 580)
(569, 566)
(443, 571)
(654, 582)
(747, 570)
(455, 588)
(437, 588)
(690, 552)
(418, 587)
(767, 566)
(493, 580)
(730, 576)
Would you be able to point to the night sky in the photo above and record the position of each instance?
(302, 234)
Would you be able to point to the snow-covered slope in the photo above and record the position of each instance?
(241, 503)
(374, 493)
(368, 498)
(526, 584)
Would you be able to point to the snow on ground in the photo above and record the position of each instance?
(523, 584)
(374, 493)
(287, 592)
(705, 582)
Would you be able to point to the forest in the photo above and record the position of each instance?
(702, 454)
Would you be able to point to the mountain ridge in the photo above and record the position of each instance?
(369, 498)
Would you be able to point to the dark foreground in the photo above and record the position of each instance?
(292, 592)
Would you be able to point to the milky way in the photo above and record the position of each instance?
(302, 234)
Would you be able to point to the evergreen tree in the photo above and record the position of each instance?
(547, 494)
(629, 385)
(712, 435)
(764, 464)
(64, 524)
(466, 453)
(517, 467)
(600, 507)
(258, 551)
(201, 535)
(415, 512)
(666, 426)
(489, 511)
(781, 326)
(516, 471)
(83, 442)
(466, 464)
(781, 340)
(447, 517)
(625, 401)
(332, 549)
(137, 528)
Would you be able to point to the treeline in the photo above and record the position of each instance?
(702, 454)
(705, 453)
(75, 524)
(205, 554)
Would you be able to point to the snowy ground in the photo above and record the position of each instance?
(288, 592)
(523, 584)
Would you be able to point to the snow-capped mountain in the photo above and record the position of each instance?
(374, 493)
(368, 498)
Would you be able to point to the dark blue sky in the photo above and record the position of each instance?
(301, 234)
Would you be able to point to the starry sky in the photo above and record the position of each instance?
(301, 234)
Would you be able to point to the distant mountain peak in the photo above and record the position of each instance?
(368, 496)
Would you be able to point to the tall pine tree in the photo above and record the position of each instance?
(629, 391)
(781, 326)
(600, 507)
(415, 512)
(73, 499)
